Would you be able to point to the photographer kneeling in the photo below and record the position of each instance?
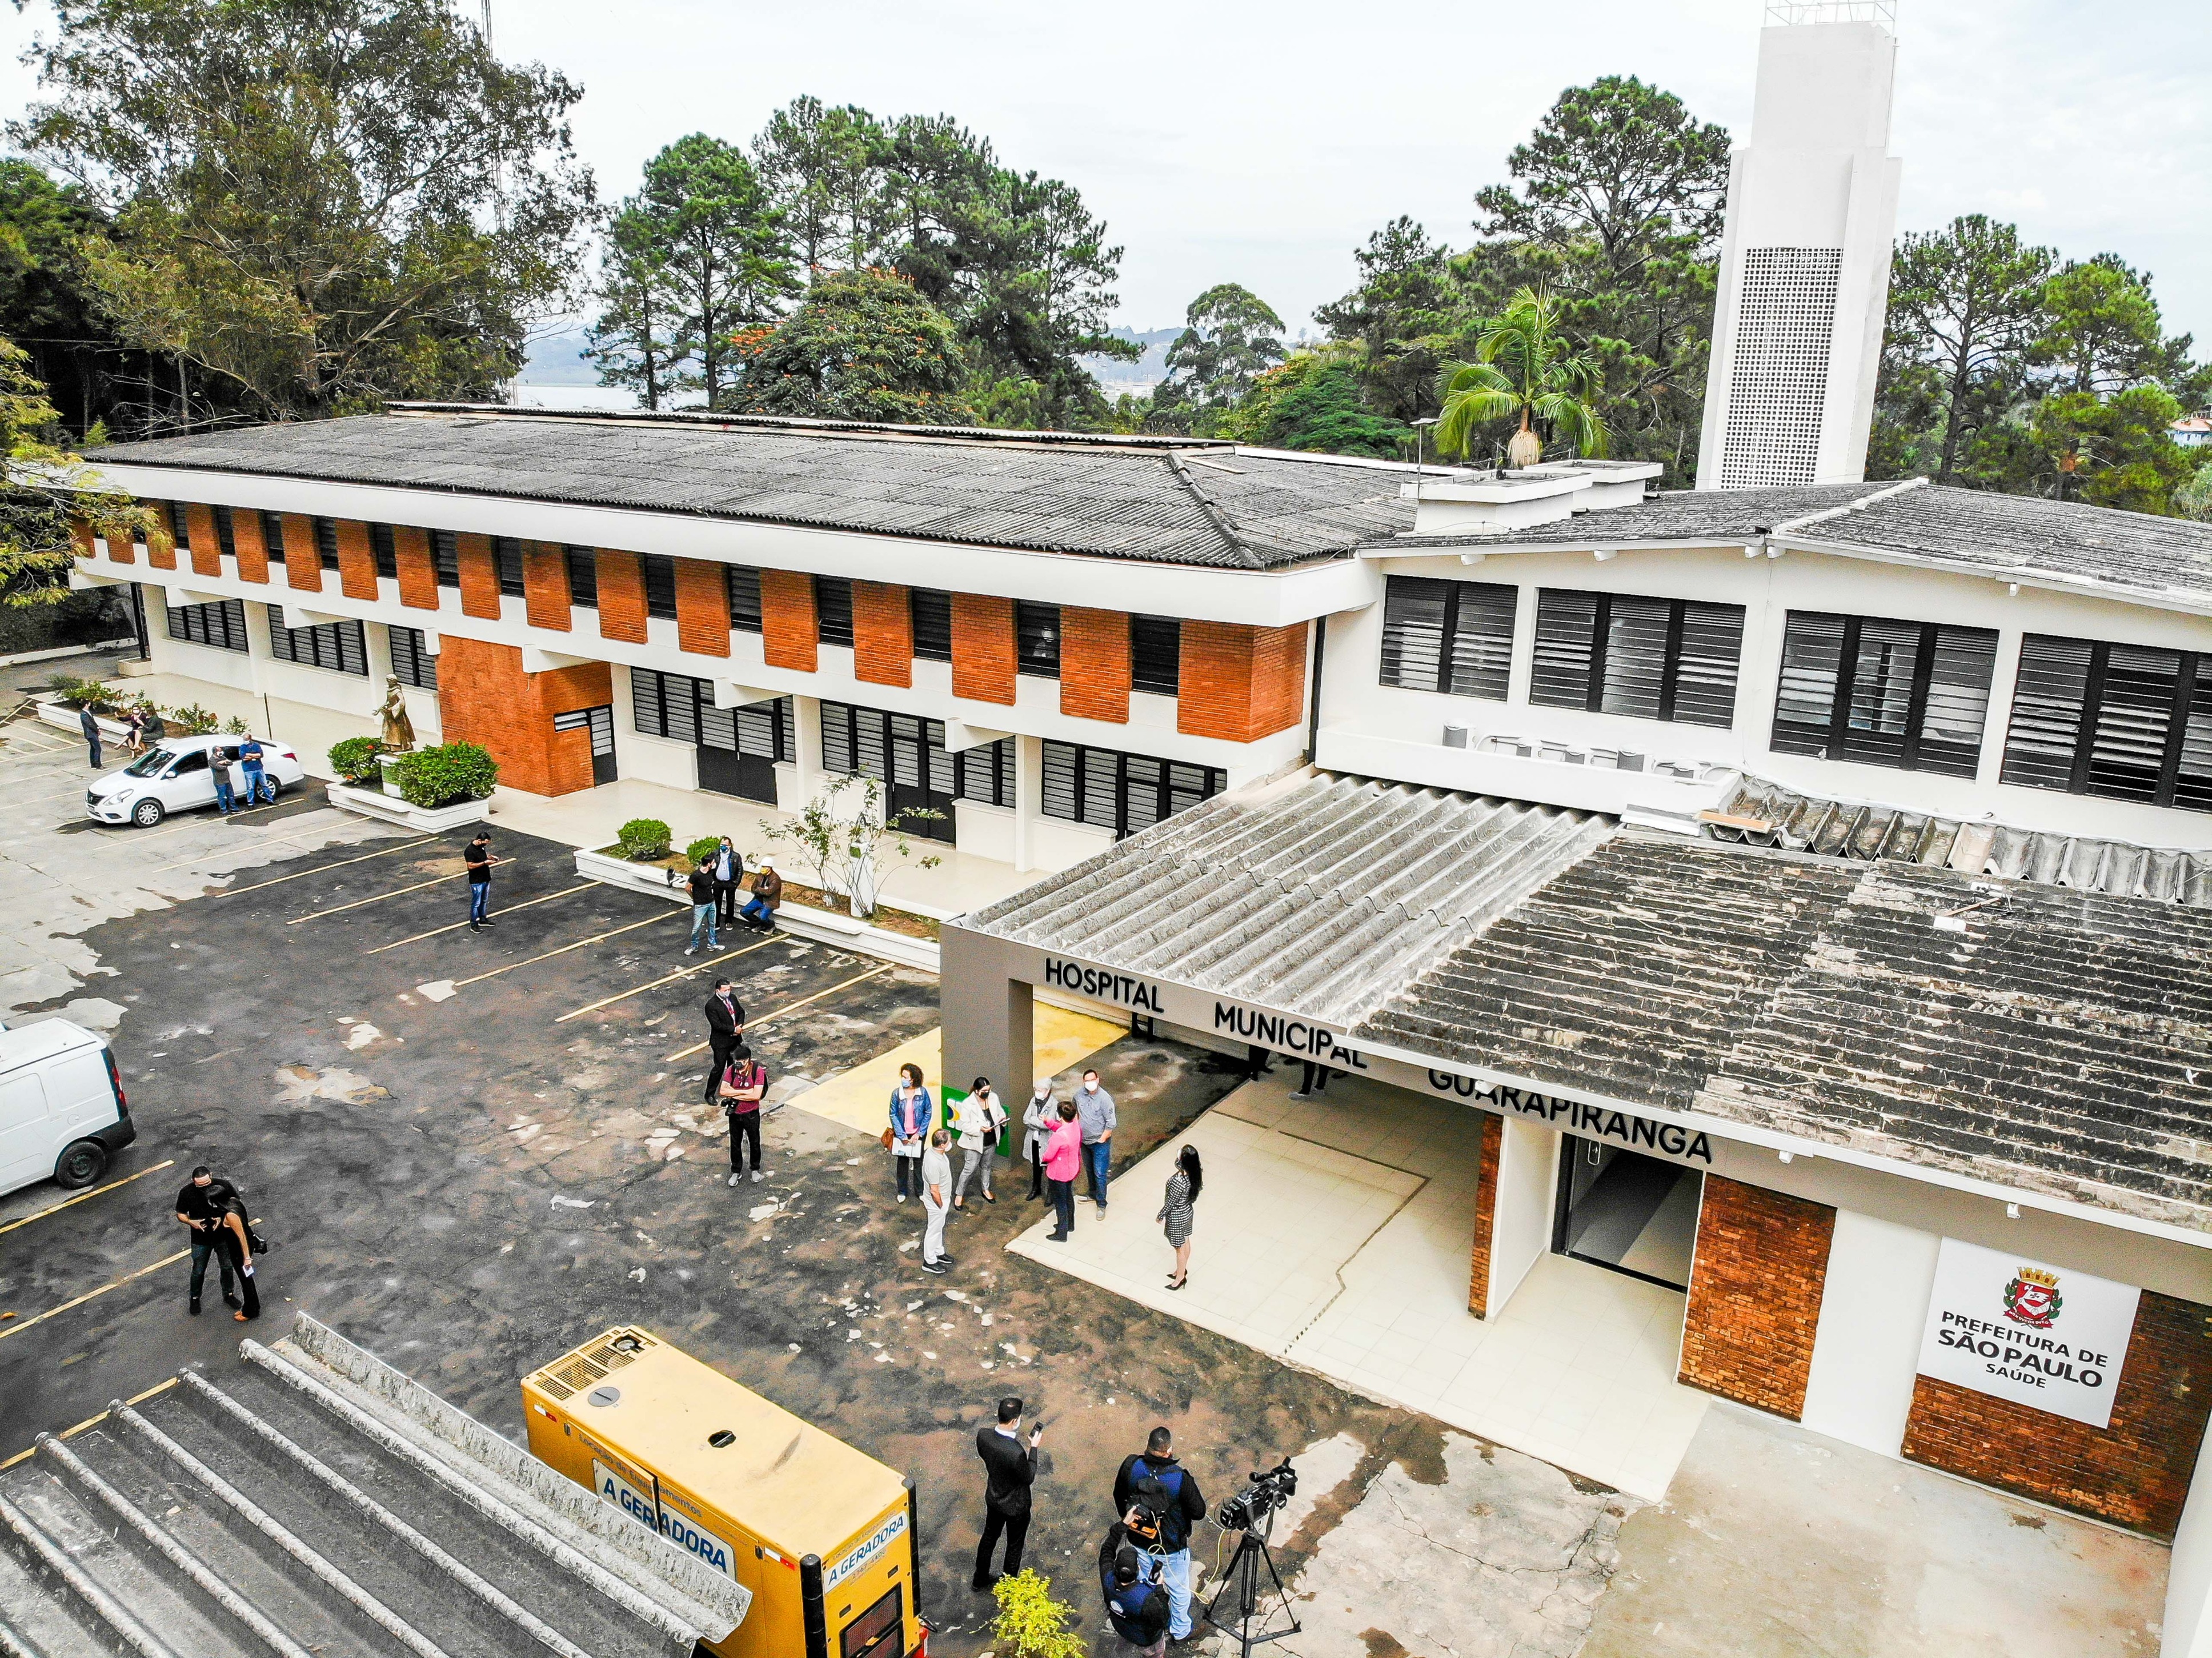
(1161, 1503)
(1136, 1601)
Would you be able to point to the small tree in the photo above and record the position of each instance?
(844, 839)
(1030, 1624)
(1543, 378)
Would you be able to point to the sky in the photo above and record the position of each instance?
(1228, 141)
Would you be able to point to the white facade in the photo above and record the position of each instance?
(1804, 278)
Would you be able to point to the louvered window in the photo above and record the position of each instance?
(272, 536)
(507, 553)
(669, 704)
(180, 525)
(1647, 658)
(833, 610)
(1123, 792)
(743, 583)
(1904, 694)
(225, 531)
(445, 557)
(583, 576)
(385, 550)
(1156, 655)
(2123, 721)
(1450, 636)
(411, 661)
(337, 647)
(932, 614)
(220, 626)
(660, 586)
(986, 774)
(1036, 640)
(326, 543)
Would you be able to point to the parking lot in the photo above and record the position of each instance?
(475, 1150)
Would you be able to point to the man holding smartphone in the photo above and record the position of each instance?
(1011, 1471)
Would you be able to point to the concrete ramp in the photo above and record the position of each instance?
(320, 1504)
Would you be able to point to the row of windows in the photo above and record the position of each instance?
(221, 625)
(1123, 792)
(682, 709)
(340, 646)
(907, 752)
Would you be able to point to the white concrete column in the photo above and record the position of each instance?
(2188, 1625)
(2004, 681)
(1029, 799)
(806, 731)
(1520, 1228)
(1866, 1349)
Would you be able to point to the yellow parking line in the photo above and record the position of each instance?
(788, 1007)
(672, 915)
(166, 1163)
(505, 909)
(398, 892)
(165, 1260)
(301, 875)
(666, 979)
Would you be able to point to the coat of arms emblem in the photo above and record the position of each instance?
(2032, 1298)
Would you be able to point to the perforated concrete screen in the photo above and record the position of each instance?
(1779, 372)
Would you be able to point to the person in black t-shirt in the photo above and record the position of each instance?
(480, 860)
(203, 1207)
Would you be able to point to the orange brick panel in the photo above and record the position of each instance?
(702, 607)
(788, 638)
(485, 697)
(120, 547)
(418, 567)
(479, 578)
(1755, 1287)
(622, 596)
(81, 538)
(1094, 664)
(545, 596)
(1240, 683)
(206, 548)
(2134, 1472)
(160, 545)
(1492, 1131)
(252, 546)
(983, 653)
(303, 565)
(356, 560)
(883, 634)
(1278, 679)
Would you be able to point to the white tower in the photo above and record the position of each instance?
(1804, 278)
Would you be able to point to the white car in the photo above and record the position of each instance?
(174, 775)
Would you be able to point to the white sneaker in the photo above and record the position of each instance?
(901, 1196)
(690, 949)
(758, 1176)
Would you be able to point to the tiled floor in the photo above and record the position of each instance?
(1352, 1257)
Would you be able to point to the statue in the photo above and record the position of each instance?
(398, 728)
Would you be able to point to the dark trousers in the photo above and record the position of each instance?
(248, 1289)
(1036, 1172)
(745, 1130)
(720, 1062)
(1315, 1079)
(1063, 1202)
(1016, 1530)
(203, 1245)
(725, 899)
(92, 741)
(909, 1172)
(479, 900)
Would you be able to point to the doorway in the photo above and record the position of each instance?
(600, 723)
(922, 778)
(738, 748)
(1621, 1210)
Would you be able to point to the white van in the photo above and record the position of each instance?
(62, 1111)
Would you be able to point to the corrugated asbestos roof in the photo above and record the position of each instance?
(320, 1503)
(2061, 1044)
(1201, 506)
(1802, 823)
(1319, 893)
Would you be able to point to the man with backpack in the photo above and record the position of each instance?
(1161, 1503)
(1136, 1600)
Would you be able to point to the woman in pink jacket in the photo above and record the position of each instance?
(1063, 1155)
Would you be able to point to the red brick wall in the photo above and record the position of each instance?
(81, 538)
(479, 578)
(545, 598)
(983, 653)
(206, 549)
(356, 560)
(303, 565)
(1241, 684)
(1491, 1130)
(789, 636)
(1755, 1287)
(485, 697)
(1094, 664)
(883, 634)
(702, 607)
(418, 567)
(160, 545)
(2134, 1472)
(120, 547)
(252, 546)
(622, 596)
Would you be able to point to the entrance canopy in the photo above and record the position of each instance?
(1990, 1032)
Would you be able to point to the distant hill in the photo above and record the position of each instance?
(559, 360)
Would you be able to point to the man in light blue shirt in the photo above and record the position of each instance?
(1094, 1109)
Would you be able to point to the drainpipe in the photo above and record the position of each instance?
(1313, 690)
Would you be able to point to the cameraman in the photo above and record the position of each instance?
(1162, 1490)
(1136, 1601)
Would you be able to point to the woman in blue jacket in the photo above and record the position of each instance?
(911, 1115)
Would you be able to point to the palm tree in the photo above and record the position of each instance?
(1524, 365)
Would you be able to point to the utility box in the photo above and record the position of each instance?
(823, 1536)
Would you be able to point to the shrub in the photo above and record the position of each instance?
(355, 759)
(1030, 1624)
(190, 720)
(702, 849)
(642, 838)
(441, 775)
(233, 726)
(74, 693)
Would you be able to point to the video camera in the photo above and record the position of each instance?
(1249, 1509)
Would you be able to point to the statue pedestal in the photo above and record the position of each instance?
(384, 765)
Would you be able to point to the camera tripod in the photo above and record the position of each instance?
(1254, 1601)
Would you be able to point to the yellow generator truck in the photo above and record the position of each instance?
(823, 1536)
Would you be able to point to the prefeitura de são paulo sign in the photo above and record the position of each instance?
(2042, 1336)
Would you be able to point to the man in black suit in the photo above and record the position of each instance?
(1012, 1470)
(726, 1025)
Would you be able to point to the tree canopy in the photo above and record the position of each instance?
(863, 345)
(43, 488)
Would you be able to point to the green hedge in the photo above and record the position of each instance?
(703, 849)
(645, 837)
(442, 775)
(355, 759)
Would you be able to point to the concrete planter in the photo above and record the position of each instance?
(65, 719)
(390, 809)
(799, 921)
